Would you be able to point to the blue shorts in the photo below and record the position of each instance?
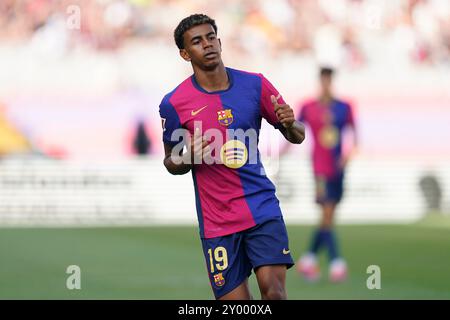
(231, 258)
(329, 190)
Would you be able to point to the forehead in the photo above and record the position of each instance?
(200, 30)
(326, 76)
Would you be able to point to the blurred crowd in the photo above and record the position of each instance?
(344, 30)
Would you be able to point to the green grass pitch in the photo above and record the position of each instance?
(167, 263)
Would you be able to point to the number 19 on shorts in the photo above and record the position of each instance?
(218, 258)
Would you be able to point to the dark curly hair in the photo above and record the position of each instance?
(188, 23)
(326, 71)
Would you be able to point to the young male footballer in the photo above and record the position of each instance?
(327, 117)
(217, 114)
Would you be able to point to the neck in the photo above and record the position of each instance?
(326, 98)
(212, 80)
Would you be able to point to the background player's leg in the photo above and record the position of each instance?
(338, 266)
(308, 264)
(328, 210)
(242, 292)
(326, 224)
(316, 242)
(272, 282)
(326, 229)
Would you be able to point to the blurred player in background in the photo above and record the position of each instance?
(327, 118)
(241, 224)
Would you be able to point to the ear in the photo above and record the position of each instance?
(220, 44)
(185, 55)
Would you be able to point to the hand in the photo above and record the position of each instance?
(346, 157)
(284, 113)
(198, 147)
(343, 162)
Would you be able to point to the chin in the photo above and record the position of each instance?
(211, 65)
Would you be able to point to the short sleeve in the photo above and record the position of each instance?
(267, 108)
(302, 114)
(350, 120)
(170, 121)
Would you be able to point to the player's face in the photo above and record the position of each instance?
(325, 83)
(202, 47)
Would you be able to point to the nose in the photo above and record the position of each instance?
(207, 43)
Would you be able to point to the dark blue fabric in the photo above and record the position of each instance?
(264, 244)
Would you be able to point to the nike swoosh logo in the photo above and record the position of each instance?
(286, 251)
(196, 112)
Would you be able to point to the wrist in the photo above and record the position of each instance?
(291, 126)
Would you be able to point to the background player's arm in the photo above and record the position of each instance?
(292, 130)
(350, 148)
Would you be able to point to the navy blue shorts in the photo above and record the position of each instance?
(231, 258)
(329, 190)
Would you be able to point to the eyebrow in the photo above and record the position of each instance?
(199, 37)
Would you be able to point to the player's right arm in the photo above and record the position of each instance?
(175, 138)
(178, 163)
(172, 135)
(175, 164)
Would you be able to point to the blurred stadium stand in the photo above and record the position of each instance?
(77, 94)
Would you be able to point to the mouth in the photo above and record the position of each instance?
(210, 55)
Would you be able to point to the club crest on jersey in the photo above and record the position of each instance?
(329, 137)
(225, 117)
(219, 280)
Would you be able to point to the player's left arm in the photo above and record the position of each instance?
(279, 114)
(351, 147)
(292, 130)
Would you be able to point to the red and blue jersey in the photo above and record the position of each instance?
(327, 123)
(229, 199)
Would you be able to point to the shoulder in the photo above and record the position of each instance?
(343, 103)
(165, 102)
(166, 107)
(308, 104)
(257, 81)
(246, 76)
(179, 89)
